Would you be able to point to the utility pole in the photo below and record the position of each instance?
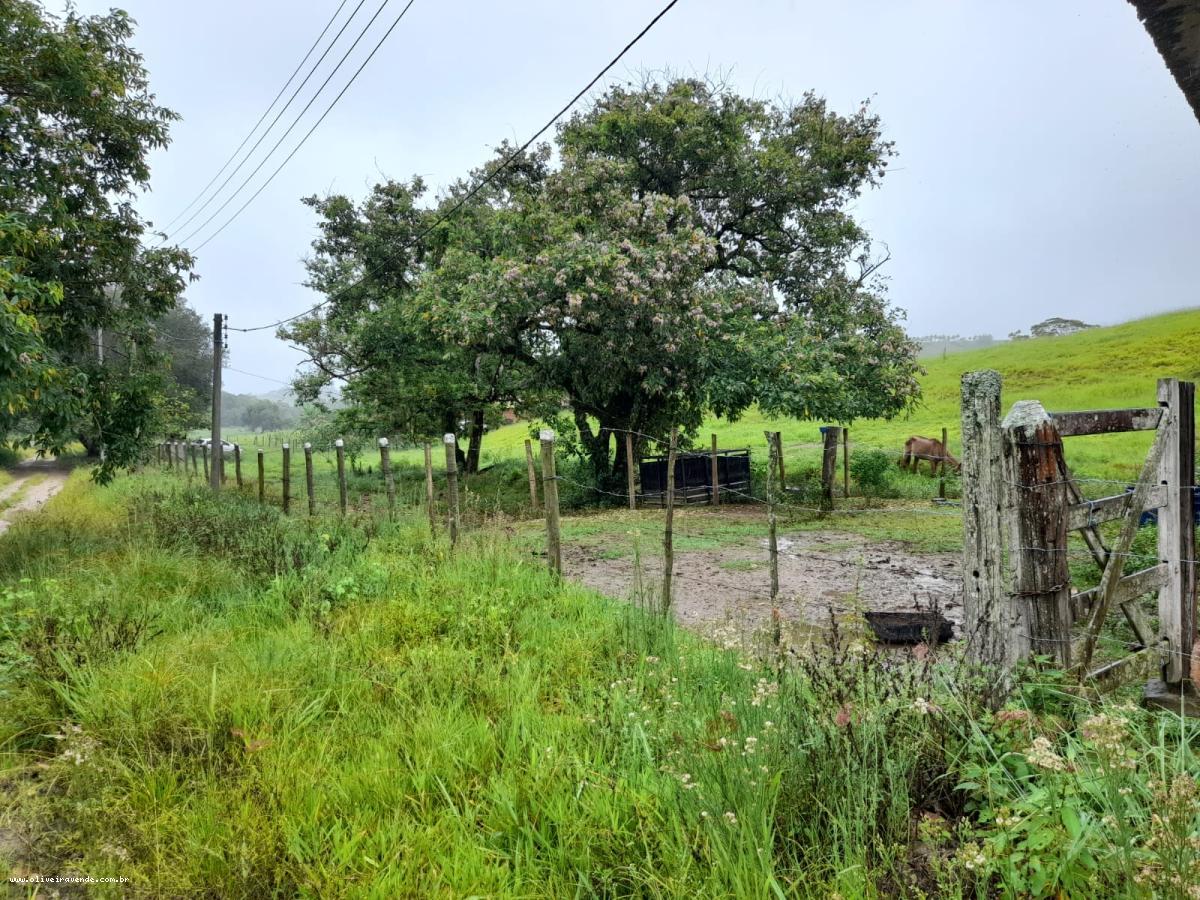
(100, 362)
(218, 352)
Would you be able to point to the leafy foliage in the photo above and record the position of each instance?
(690, 252)
(77, 120)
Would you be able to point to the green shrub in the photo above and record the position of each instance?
(873, 471)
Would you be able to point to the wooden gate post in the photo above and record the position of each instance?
(991, 624)
(532, 473)
(452, 485)
(385, 464)
(550, 500)
(237, 464)
(1177, 527)
(1037, 512)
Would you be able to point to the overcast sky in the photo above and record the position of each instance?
(1048, 164)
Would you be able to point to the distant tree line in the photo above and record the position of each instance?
(257, 413)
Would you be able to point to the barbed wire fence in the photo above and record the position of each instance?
(324, 465)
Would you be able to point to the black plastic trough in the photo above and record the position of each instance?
(915, 627)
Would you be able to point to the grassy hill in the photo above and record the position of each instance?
(1096, 369)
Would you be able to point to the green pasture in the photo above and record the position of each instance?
(1097, 369)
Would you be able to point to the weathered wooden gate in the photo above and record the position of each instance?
(1020, 503)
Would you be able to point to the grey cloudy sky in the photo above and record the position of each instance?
(1048, 164)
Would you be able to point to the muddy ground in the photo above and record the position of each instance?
(727, 590)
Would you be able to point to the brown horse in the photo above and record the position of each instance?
(918, 448)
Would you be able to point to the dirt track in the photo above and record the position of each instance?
(729, 588)
(35, 482)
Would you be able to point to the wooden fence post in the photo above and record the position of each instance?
(991, 624)
(385, 464)
(287, 478)
(942, 463)
(829, 440)
(340, 447)
(772, 540)
(1038, 517)
(1177, 528)
(782, 474)
(846, 462)
(237, 464)
(550, 500)
(532, 472)
(452, 486)
(668, 527)
(308, 479)
(262, 477)
(204, 456)
(716, 474)
(630, 470)
(430, 505)
(169, 447)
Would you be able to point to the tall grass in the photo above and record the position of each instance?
(208, 698)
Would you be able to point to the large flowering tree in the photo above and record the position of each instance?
(692, 251)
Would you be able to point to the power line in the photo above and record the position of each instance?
(267, 111)
(279, 115)
(307, 134)
(482, 184)
(256, 375)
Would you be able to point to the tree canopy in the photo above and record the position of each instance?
(77, 122)
(689, 250)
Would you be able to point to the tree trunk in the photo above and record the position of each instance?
(90, 444)
(475, 442)
(597, 446)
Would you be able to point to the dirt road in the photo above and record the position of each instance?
(34, 482)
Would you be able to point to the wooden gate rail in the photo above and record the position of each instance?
(1090, 513)
(1106, 421)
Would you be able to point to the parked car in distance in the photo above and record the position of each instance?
(226, 446)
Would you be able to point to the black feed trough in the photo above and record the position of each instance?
(916, 627)
(693, 477)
